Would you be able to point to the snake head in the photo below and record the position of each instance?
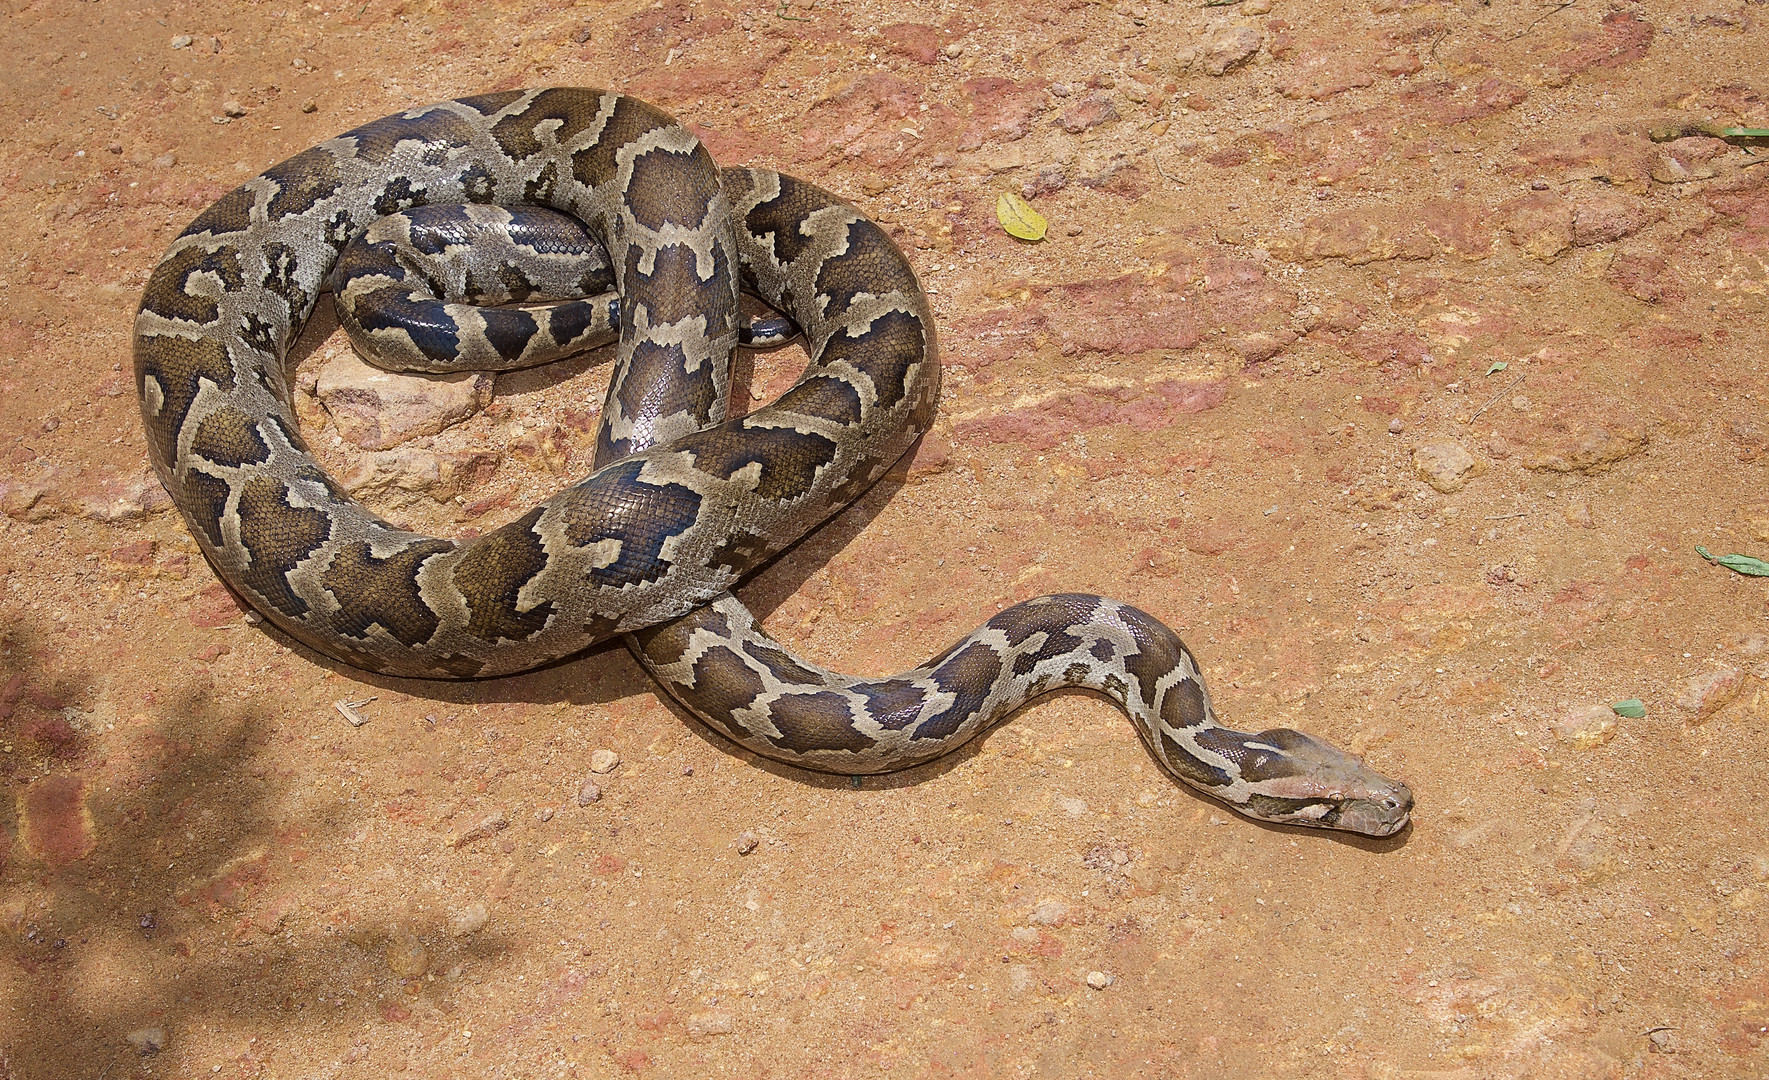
(1296, 779)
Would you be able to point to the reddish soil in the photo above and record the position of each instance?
(1289, 246)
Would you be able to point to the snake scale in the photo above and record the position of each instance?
(682, 502)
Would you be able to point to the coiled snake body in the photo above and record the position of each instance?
(682, 502)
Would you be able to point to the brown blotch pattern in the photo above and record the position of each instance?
(377, 140)
(723, 683)
(203, 498)
(820, 721)
(490, 577)
(228, 437)
(789, 459)
(168, 289)
(968, 675)
(596, 164)
(1183, 707)
(782, 215)
(887, 351)
(1158, 650)
(1187, 767)
(669, 187)
(277, 537)
(675, 291)
(179, 367)
(302, 182)
(870, 265)
(384, 592)
(823, 396)
(230, 214)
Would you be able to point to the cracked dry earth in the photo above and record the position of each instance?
(1246, 384)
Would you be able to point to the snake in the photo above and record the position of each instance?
(682, 501)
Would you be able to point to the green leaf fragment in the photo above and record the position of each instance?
(1743, 564)
(1633, 708)
(1745, 133)
(1498, 365)
(1018, 218)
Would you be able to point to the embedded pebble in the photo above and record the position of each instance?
(544, 813)
(709, 1022)
(604, 761)
(1229, 48)
(233, 108)
(1099, 980)
(588, 792)
(1585, 727)
(469, 919)
(1443, 463)
(1396, 426)
(1709, 692)
(489, 825)
(182, 41)
(1050, 912)
(378, 410)
(406, 956)
(310, 106)
(148, 1040)
(746, 843)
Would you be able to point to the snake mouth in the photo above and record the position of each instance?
(1376, 817)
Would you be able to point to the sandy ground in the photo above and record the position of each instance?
(1289, 245)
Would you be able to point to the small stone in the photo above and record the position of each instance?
(378, 410)
(1260, 346)
(489, 825)
(746, 843)
(468, 920)
(1443, 463)
(1661, 1042)
(310, 106)
(1090, 112)
(406, 956)
(709, 1022)
(1396, 426)
(1606, 218)
(544, 813)
(581, 35)
(1256, 7)
(233, 108)
(1708, 693)
(404, 474)
(1578, 515)
(1049, 913)
(604, 761)
(1099, 980)
(148, 1040)
(588, 792)
(1585, 727)
(1229, 48)
(182, 41)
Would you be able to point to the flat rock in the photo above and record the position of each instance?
(1585, 727)
(1603, 219)
(1540, 223)
(1229, 48)
(407, 472)
(1590, 445)
(1709, 692)
(378, 410)
(1444, 464)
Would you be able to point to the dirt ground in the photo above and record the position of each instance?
(1250, 382)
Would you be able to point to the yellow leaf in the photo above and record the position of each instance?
(1018, 218)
